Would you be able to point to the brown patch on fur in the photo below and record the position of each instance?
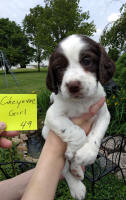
(57, 65)
(92, 61)
(106, 67)
(98, 55)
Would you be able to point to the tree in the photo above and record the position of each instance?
(115, 36)
(14, 43)
(67, 18)
(32, 25)
(113, 54)
(121, 70)
(115, 39)
(46, 26)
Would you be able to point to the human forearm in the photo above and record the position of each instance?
(47, 172)
(13, 189)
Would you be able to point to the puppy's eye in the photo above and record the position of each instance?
(86, 61)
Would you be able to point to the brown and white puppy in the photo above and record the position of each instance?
(77, 69)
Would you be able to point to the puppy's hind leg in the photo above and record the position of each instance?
(77, 188)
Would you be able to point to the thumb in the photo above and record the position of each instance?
(2, 127)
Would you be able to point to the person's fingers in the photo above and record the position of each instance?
(86, 126)
(81, 119)
(92, 111)
(10, 133)
(5, 143)
(96, 107)
(2, 127)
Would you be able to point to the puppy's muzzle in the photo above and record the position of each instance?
(74, 87)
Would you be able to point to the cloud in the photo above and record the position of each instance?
(113, 17)
(98, 31)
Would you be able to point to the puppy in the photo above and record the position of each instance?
(77, 69)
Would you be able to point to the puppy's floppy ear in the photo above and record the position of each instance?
(50, 79)
(106, 66)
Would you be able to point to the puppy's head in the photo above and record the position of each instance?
(76, 65)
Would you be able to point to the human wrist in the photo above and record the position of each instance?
(54, 145)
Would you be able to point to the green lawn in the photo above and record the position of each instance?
(28, 82)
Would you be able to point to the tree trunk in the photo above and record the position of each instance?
(7, 70)
(38, 66)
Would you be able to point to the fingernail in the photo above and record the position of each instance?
(2, 125)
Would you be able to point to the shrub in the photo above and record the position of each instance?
(121, 70)
(8, 155)
(117, 107)
(114, 54)
(43, 102)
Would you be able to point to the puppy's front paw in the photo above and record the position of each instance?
(77, 139)
(87, 154)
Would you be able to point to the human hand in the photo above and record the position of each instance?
(84, 120)
(4, 142)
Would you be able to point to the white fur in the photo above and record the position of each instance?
(81, 149)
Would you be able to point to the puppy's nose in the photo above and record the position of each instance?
(74, 86)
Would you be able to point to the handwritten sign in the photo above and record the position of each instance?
(19, 111)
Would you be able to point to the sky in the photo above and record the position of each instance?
(102, 12)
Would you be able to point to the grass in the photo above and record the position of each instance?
(28, 81)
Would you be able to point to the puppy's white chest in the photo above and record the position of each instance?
(75, 110)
